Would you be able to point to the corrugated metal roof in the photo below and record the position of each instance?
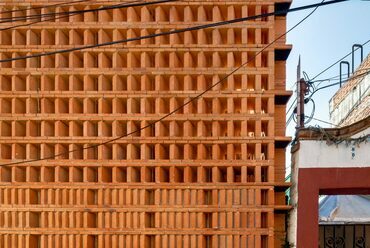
(344, 209)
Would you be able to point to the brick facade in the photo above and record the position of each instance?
(211, 175)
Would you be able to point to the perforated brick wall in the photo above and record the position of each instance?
(206, 176)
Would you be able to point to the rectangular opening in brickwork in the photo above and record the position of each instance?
(121, 174)
(20, 128)
(77, 151)
(192, 174)
(250, 174)
(119, 15)
(6, 174)
(92, 241)
(34, 174)
(264, 173)
(208, 240)
(264, 241)
(48, 150)
(207, 152)
(34, 241)
(207, 174)
(49, 174)
(91, 128)
(47, 83)
(207, 197)
(91, 220)
(63, 174)
(106, 129)
(77, 106)
(237, 174)
(179, 151)
(264, 152)
(34, 151)
(5, 56)
(47, 106)
(135, 174)
(207, 220)
(106, 174)
(34, 219)
(92, 196)
(6, 105)
(149, 196)
(149, 241)
(77, 83)
(34, 196)
(251, 151)
(178, 174)
(19, 106)
(77, 128)
(19, 83)
(34, 128)
(20, 151)
(164, 174)
(91, 151)
(77, 174)
(47, 37)
(91, 174)
(222, 174)
(264, 220)
(63, 105)
(121, 151)
(264, 128)
(264, 197)
(149, 174)
(120, 83)
(6, 83)
(6, 37)
(149, 219)
(106, 151)
(6, 151)
(19, 174)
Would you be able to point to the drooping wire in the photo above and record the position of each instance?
(176, 31)
(312, 112)
(77, 12)
(65, 4)
(178, 108)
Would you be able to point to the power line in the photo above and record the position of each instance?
(176, 31)
(323, 80)
(322, 121)
(340, 82)
(339, 60)
(77, 12)
(178, 108)
(44, 7)
(324, 87)
(74, 12)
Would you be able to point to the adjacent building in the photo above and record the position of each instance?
(351, 102)
(209, 175)
(335, 163)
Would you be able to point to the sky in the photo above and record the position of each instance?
(322, 39)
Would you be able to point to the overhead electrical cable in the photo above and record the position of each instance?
(181, 106)
(65, 4)
(76, 12)
(176, 31)
(72, 13)
(324, 87)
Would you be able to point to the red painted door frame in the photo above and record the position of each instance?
(325, 181)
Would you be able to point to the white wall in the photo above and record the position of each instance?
(318, 154)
